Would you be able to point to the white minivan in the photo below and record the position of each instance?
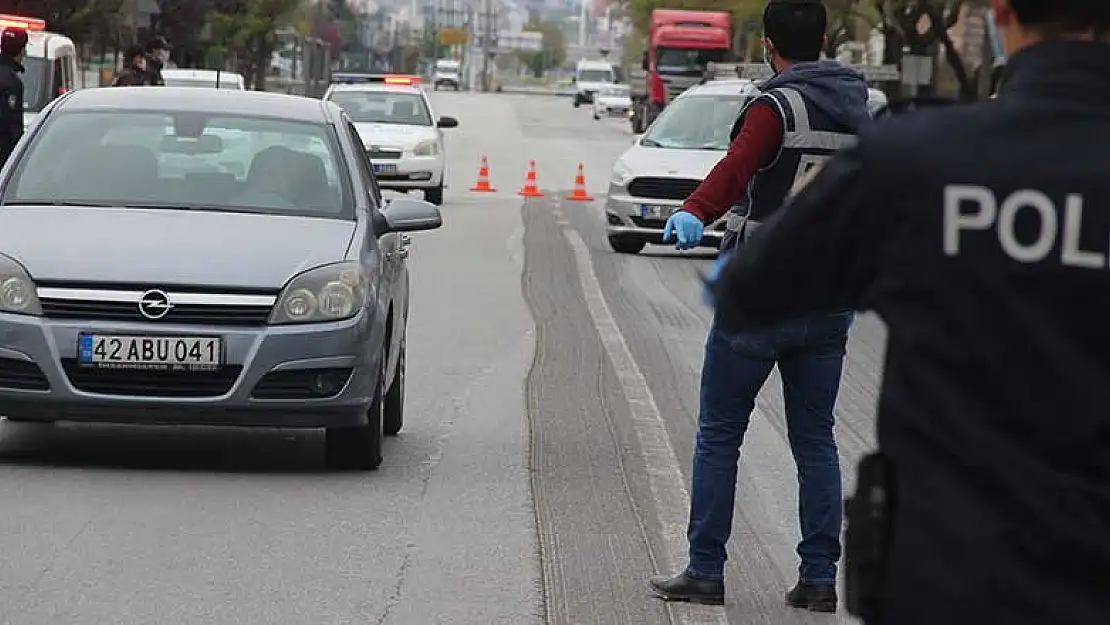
(50, 64)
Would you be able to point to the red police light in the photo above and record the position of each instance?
(402, 80)
(26, 23)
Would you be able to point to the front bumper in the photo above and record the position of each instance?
(628, 217)
(265, 379)
(603, 109)
(410, 172)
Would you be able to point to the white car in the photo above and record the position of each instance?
(204, 79)
(401, 134)
(612, 101)
(666, 164)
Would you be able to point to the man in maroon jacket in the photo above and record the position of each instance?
(804, 115)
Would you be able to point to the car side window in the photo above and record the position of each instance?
(366, 171)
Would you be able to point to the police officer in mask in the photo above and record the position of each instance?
(133, 72)
(157, 55)
(13, 41)
(978, 232)
(808, 111)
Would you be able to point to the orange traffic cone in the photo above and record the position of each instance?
(483, 186)
(580, 194)
(530, 189)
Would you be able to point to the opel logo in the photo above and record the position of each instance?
(155, 304)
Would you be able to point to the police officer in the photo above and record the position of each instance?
(807, 112)
(13, 41)
(157, 55)
(978, 232)
(133, 73)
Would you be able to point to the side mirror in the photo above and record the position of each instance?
(407, 215)
(447, 122)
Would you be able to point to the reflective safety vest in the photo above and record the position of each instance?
(810, 138)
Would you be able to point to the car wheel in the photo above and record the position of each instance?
(393, 415)
(359, 447)
(434, 195)
(623, 245)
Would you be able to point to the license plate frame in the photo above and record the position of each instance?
(385, 168)
(657, 211)
(116, 344)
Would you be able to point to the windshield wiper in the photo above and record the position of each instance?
(80, 203)
(650, 143)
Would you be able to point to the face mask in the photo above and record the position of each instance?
(141, 64)
(164, 56)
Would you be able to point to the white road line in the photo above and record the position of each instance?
(668, 488)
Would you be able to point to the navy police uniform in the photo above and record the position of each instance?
(978, 233)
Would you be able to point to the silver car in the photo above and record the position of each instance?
(204, 257)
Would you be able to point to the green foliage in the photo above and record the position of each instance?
(554, 51)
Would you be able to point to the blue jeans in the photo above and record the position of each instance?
(810, 356)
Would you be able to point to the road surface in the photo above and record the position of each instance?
(541, 477)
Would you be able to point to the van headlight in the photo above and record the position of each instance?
(17, 289)
(328, 293)
(618, 184)
(426, 148)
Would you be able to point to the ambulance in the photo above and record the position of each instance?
(50, 64)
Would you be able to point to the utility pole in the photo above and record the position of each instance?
(487, 36)
(582, 24)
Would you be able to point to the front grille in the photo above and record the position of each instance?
(144, 383)
(389, 155)
(663, 188)
(302, 384)
(22, 375)
(643, 222)
(201, 314)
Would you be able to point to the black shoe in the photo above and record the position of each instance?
(682, 587)
(813, 597)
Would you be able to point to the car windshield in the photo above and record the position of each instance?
(226, 82)
(695, 123)
(183, 161)
(595, 75)
(383, 107)
(35, 81)
(679, 61)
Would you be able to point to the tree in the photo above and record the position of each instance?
(182, 23)
(78, 19)
(554, 50)
(246, 29)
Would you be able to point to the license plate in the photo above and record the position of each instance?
(115, 351)
(651, 211)
(385, 168)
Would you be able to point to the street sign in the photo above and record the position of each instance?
(453, 37)
(524, 41)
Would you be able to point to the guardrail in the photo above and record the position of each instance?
(538, 90)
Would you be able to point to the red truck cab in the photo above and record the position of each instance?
(680, 44)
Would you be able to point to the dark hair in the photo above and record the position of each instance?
(796, 28)
(131, 52)
(1064, 16)
(157, 43)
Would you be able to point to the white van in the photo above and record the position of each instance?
(589, 78)
(50, 64)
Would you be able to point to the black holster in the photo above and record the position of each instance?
(868, 536)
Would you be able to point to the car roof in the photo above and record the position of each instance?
(189, 99)
(377, 87)
(728, 86)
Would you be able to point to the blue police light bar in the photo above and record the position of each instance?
(353, 78)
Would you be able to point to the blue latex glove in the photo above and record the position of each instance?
(688, 227)
(711, 278)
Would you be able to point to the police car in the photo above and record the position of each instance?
(50, 64)
(401, 134)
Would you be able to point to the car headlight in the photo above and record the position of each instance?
(621, 177)
(17, 289)
(426, 148)
(328, 293)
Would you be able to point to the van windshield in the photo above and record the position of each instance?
(36, 82)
